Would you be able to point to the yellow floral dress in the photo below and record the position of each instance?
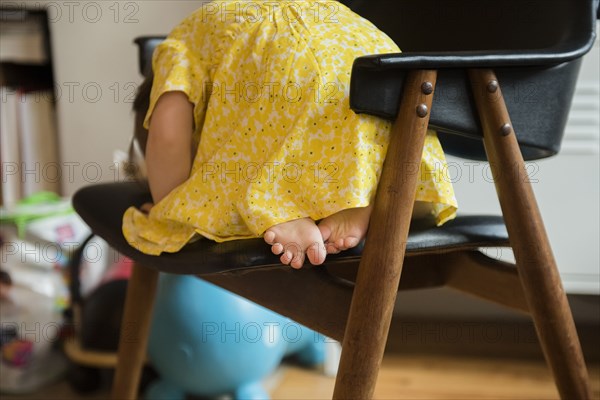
(276, 137)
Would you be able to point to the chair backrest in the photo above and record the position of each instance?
(146, 46)
(471, 25)
(538, 97)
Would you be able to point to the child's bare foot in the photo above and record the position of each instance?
(345, 229)
(294, 239)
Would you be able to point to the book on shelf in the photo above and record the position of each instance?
(28, 136)
(29, 151)
(40, 170)
(9, 148)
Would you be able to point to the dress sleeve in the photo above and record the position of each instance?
(177, 68)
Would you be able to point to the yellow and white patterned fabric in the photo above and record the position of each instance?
(276, 137)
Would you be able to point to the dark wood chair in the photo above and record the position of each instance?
(467, 58)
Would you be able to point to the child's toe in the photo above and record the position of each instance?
(277, 248)
(297, 261)
(351, 242)
(331, 249)
(316, 253)
(269, 237)
(286, 257)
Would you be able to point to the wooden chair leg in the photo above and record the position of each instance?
(381, 264)
(537, 268)
(135, 329)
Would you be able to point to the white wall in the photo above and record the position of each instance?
(96, 74)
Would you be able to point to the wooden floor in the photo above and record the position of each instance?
(405, 377)
(427, 377)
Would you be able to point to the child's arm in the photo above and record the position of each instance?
(168, 151)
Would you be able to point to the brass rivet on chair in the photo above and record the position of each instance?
(492, 86)
(422, 110)
(427, 88)
(506, 129)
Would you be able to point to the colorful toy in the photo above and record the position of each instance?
(18, 352)
(205, 341)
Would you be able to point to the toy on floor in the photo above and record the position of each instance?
(208, 342)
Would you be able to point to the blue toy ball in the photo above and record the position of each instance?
(206, 341)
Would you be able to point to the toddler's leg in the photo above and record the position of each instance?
(295, 239)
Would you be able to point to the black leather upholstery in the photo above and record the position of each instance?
(102, 208)
(534, 47)
(510, 32)
(146, 46)
(536, 98)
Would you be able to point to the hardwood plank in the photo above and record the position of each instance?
(402, 377)
(432, 377)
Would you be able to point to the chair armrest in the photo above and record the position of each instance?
(469, 59)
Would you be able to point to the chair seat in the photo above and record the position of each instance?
(101, 207)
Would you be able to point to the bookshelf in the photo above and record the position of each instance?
(29, 143)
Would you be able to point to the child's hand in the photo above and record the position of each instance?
(146, 207)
